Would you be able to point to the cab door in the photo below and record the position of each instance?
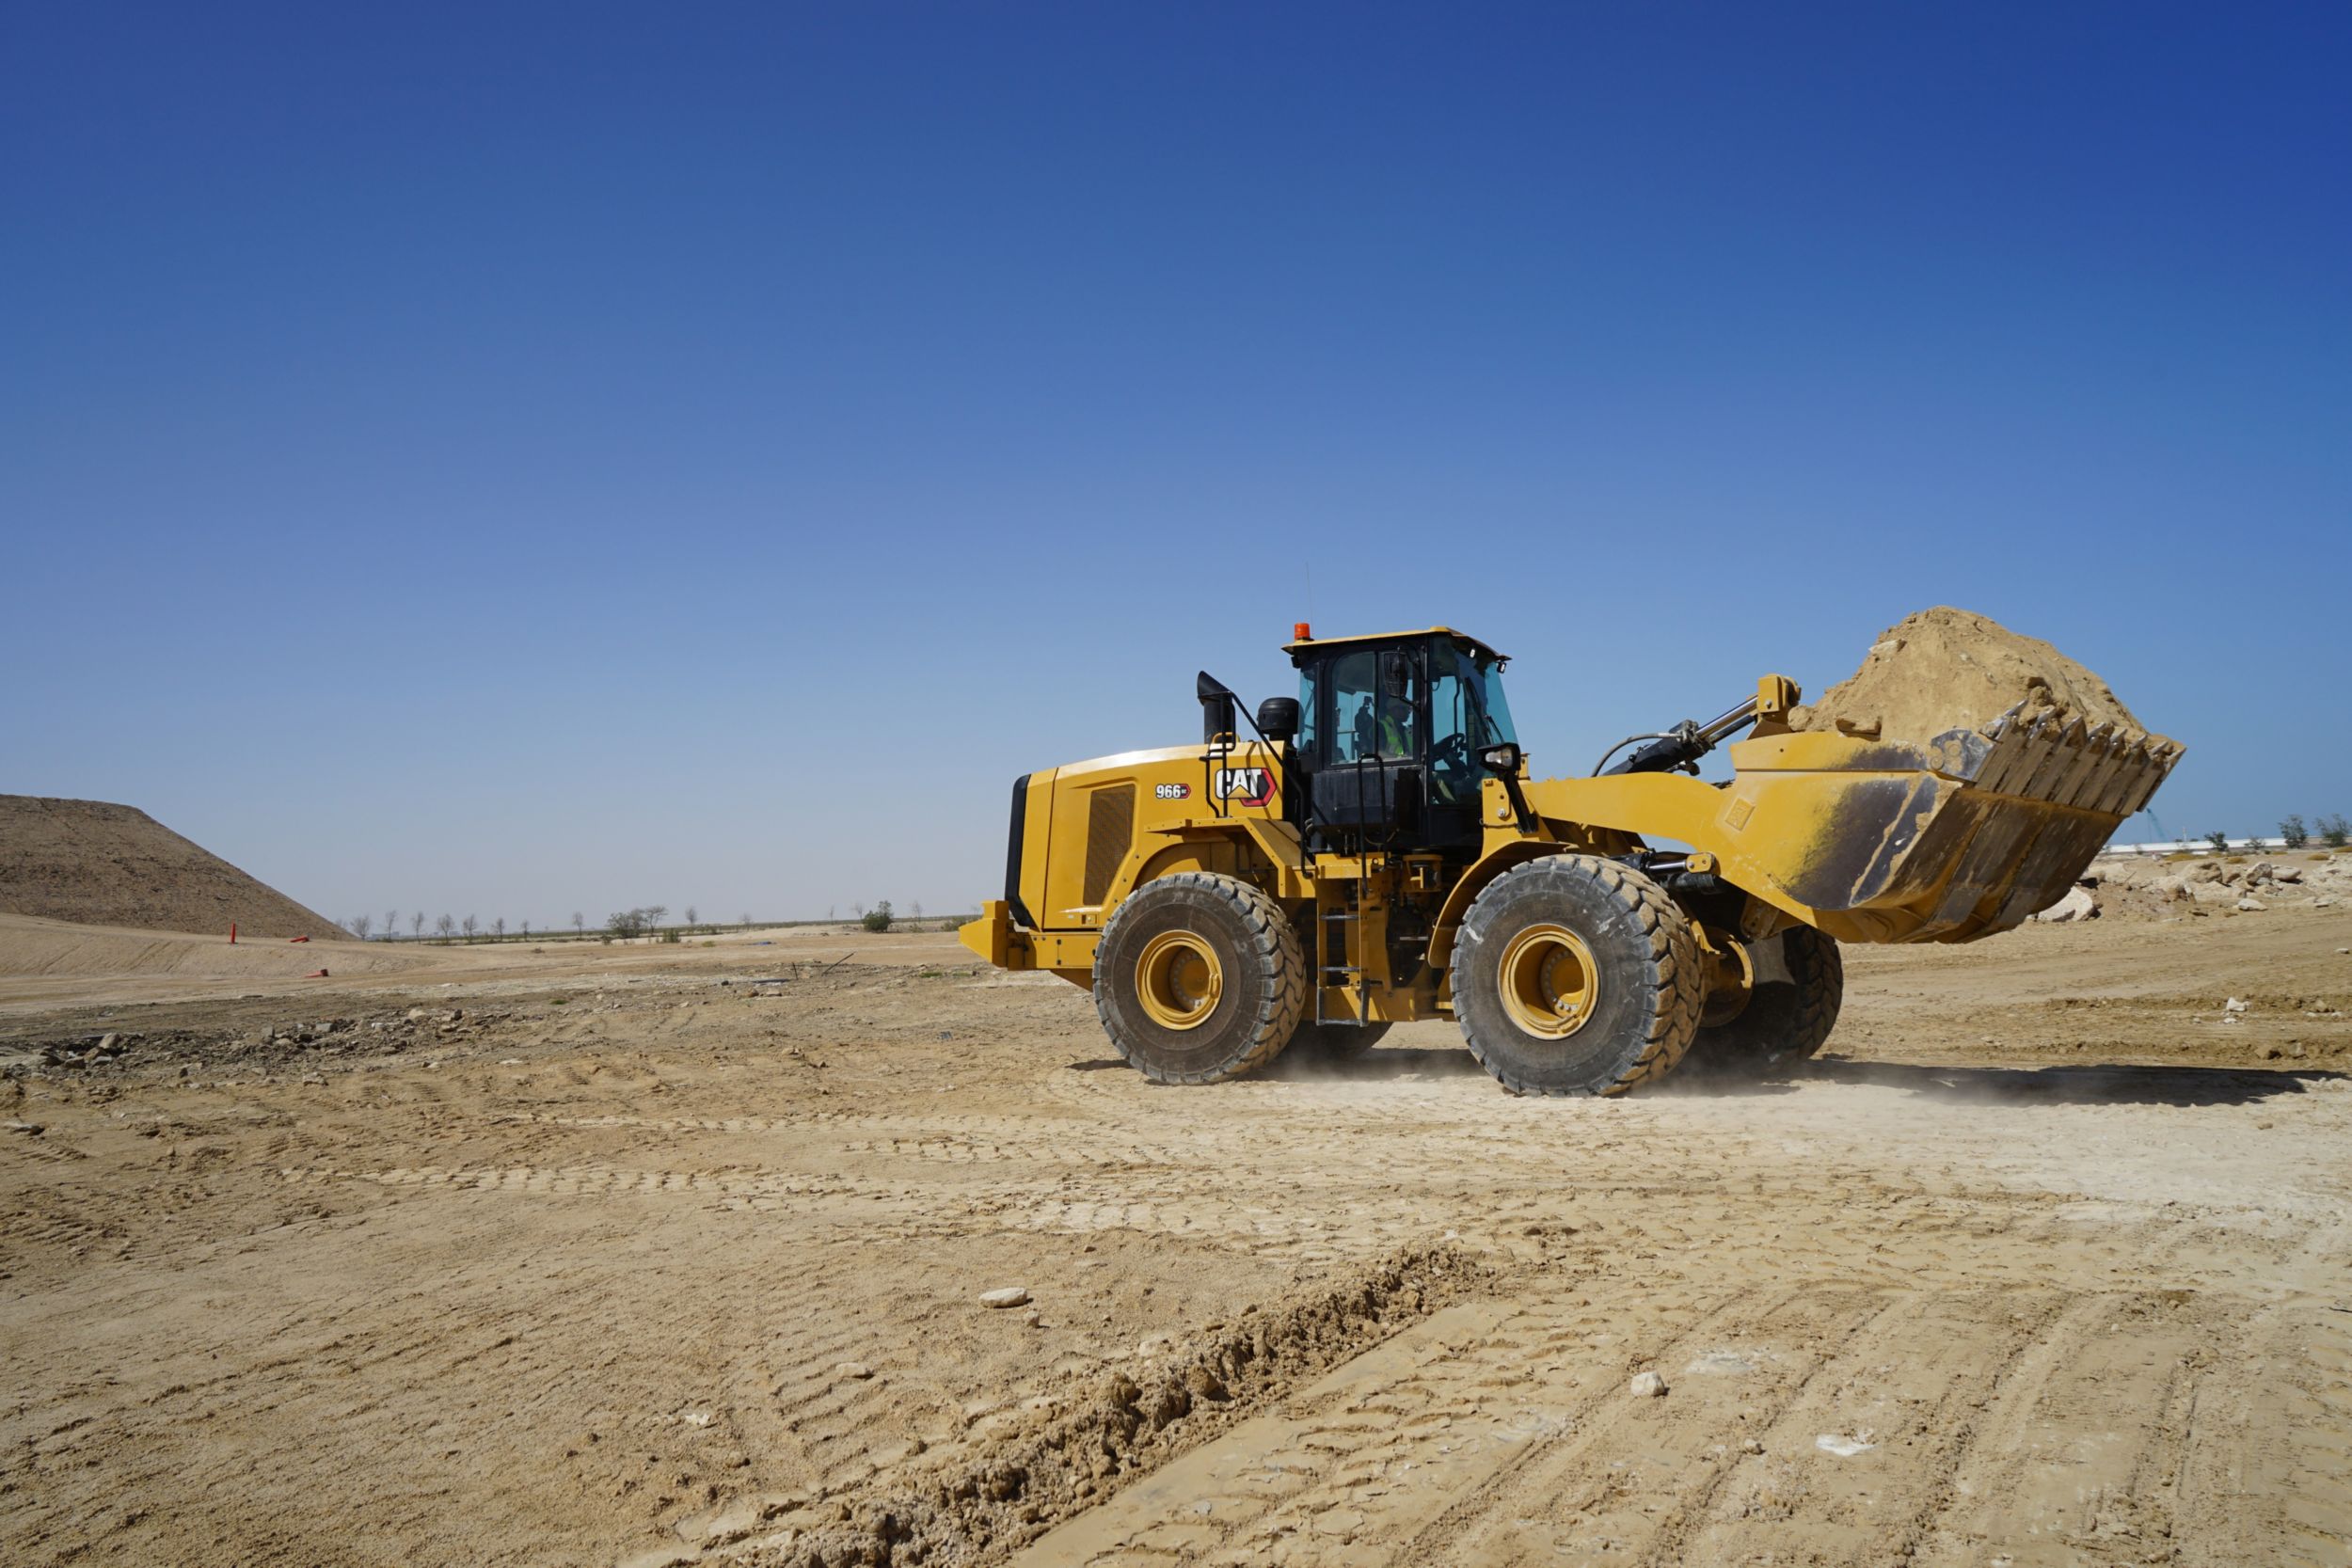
(1368, 752)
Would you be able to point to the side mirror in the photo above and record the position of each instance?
(1278, 717)
(1502, 761)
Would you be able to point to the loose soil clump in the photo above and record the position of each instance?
(1945, 669)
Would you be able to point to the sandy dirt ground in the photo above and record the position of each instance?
(656, 1254)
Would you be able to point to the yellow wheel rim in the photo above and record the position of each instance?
(1549, 982)
(1731, 979)
(1178, 980)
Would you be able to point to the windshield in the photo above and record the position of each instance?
(1467, 699)
(1498, 727)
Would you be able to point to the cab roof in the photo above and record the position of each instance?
(1478, 649)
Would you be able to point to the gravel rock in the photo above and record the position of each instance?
(2080, 903)
(1011, 1295)
(1646, 1385)
(2249, 906)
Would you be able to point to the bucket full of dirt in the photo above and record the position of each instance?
(1956, 783)
(1945, 669)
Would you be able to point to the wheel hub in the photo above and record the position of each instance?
(1549, 983)
(1178, 980)
(1730, 976)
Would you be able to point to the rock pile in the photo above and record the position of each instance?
(2160, 889)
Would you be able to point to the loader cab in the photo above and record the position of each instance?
(1390, 731)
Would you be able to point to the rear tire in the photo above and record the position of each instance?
(1575, 975)
(1784, 1022)
(1331, 1043)
(1199, 978)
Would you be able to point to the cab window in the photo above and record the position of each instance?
(1355, 682)
(1374, 706)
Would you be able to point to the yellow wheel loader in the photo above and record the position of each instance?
(1376, 852)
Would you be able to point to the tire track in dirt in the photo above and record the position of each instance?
(586, 1181)
(2078, 1447)
(1381, 1459)
(2316, 1488)
(1977, 1426)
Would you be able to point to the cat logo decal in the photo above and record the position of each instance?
(1245, 786)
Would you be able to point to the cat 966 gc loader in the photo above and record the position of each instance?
(1376, 851)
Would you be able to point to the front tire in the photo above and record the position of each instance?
(1199, 978)
(1785, 1021)
(1575, 975)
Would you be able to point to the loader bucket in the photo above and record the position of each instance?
(1949, 841)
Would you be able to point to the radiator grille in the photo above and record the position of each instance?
(1110, 833)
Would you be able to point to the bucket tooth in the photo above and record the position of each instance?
(2162, 754)
(2136, 763)
(2011, 752)
(2082, 780)
(2051, 768)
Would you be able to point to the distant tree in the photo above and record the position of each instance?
(690, 916)
(526, 927)
(498, 925)
(829, 909)
(580, 921)
(2334, 830)
(470, 925)
(745, 920)
(2293, 833)
(625, 923)
(878, 918)
(360, 926)
(857, 910)
(915, 908)
(2220, 842)
(392, 923)
(443, 925)
(655, 914)
(416, 924)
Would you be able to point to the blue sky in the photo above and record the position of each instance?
(515, 459)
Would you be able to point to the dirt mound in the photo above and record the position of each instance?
(1947, 669)
(100, 864)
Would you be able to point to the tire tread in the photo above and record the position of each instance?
(1677, 986)
(1273, 942)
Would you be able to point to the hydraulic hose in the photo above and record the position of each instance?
(1680, 747)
